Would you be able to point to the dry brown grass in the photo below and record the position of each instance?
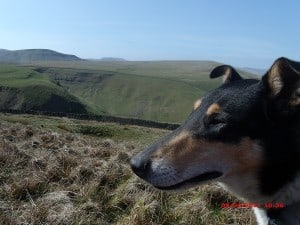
(55, 175)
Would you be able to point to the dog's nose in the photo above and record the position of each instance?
(139, 166)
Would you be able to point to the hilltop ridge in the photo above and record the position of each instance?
(33, 55)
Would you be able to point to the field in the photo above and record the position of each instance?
(160, 90)
(63, 171)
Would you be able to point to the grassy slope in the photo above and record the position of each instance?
(28, 89)
(162, 91)
(64, 171)
(133, 96)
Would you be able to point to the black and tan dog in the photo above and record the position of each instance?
(245, 135)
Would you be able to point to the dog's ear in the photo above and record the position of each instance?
(282, 84)
(229, 73)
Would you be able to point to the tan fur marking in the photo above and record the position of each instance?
(179, 138)
(214, 108)
(244, 157)
(227, 74)
(197, 104)
(176, 143)
(186, 157)
(184, 151)
(220, 152)
(274, 79)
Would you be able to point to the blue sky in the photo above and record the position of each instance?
(242, 33)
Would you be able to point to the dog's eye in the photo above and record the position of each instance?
(213, 128)
(215, 121)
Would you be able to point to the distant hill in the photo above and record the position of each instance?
(34, 55)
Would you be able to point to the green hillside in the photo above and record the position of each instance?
(161, 91)
(24, 89)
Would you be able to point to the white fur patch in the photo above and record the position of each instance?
(261, 216)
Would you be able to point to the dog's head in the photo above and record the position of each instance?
(225, 137)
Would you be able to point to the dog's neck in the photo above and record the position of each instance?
(288, 215)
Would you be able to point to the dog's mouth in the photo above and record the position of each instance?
(192, 181)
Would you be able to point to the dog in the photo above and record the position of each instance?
(245, 135)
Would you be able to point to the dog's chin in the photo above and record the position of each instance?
(192, 182)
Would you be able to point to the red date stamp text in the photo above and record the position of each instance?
(269, 205)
